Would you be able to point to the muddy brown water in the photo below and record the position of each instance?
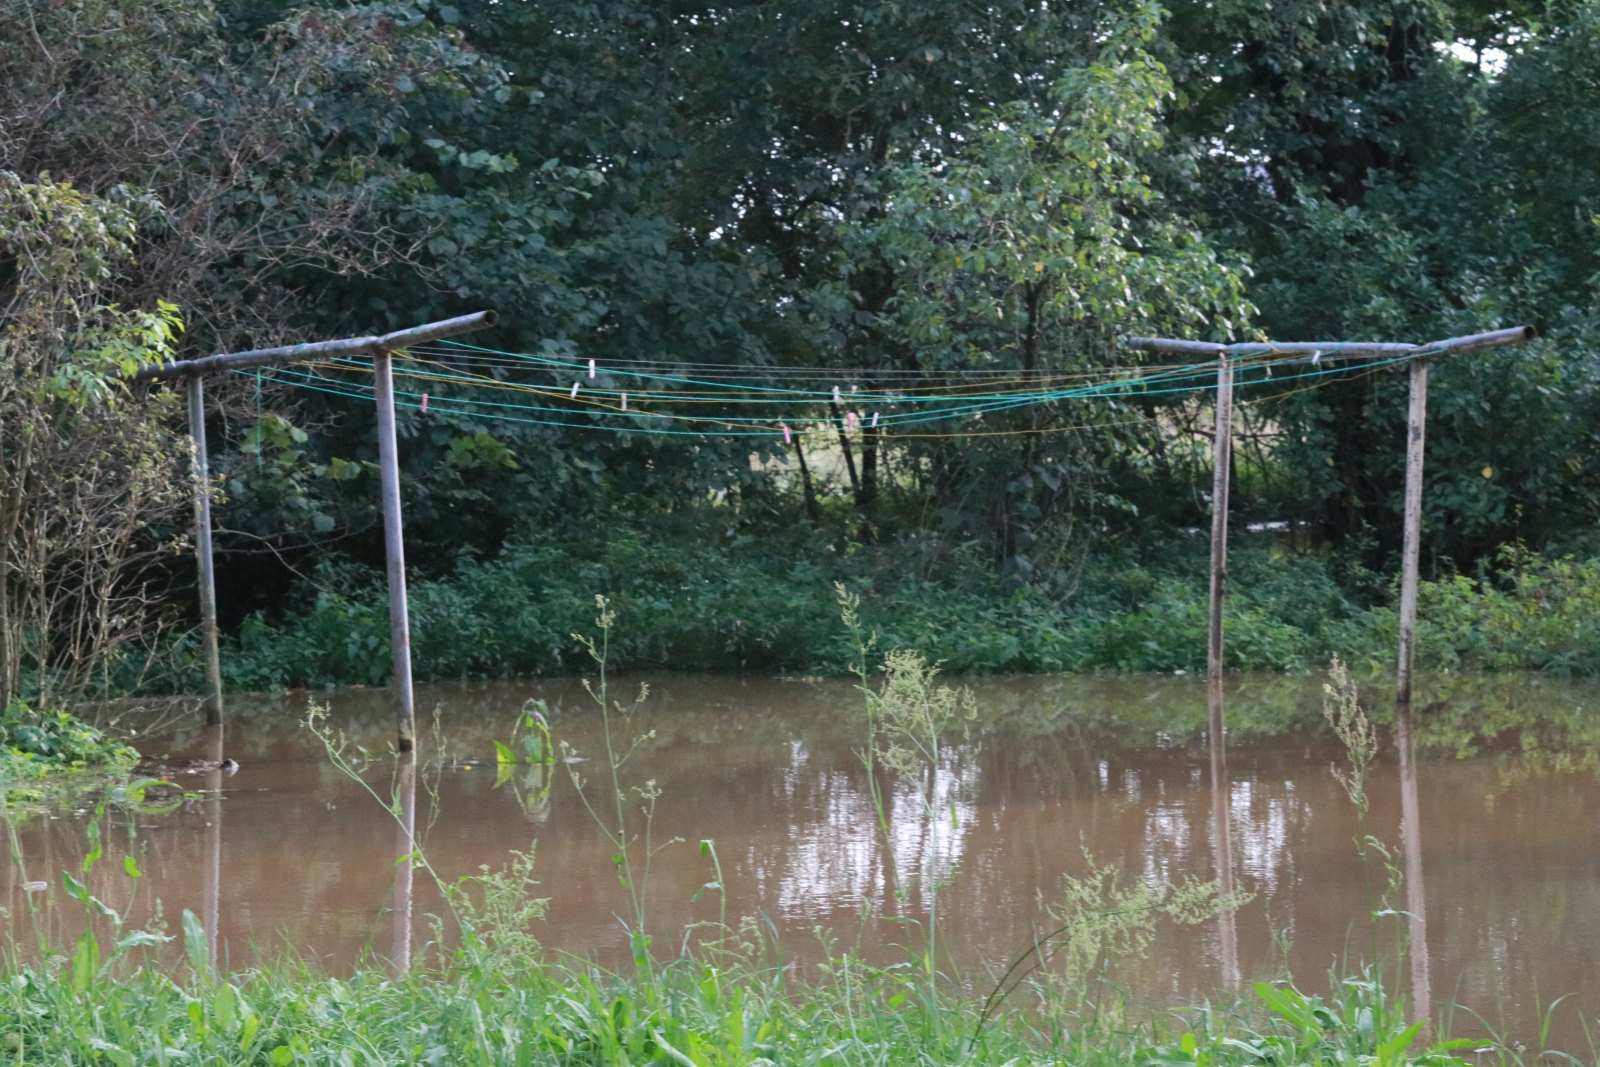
(1488, 821)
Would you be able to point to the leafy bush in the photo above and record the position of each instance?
(700, 595)
(1530, 613)
(34, 742)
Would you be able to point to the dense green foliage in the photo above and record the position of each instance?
(869, 190)
(35, 744)
(743, 604)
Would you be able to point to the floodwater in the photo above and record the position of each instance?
(1482, 855)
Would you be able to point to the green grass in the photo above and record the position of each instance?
(478, 1007)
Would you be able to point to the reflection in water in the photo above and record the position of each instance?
(1222, 840)
(405, 847)
(1119, 768)
(213, 806)
(1411, 845)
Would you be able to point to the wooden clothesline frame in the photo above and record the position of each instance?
(1416, 420)
(380, 349)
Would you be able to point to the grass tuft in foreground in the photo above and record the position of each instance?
(688, 1011)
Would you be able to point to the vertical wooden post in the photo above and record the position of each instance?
(202, 549)
(1222, 451)
(394, 548)
(1411, 543)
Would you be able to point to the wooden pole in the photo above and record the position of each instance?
(212, 704)
(1222, 450)
(350, 346)
(1334, 350)
(1221, 455)
(1411, 543)
(394, 549)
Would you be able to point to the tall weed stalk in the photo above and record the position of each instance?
(629, 833)
(1341, 707)
(909, 716)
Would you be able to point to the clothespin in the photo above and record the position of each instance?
(836, 397)
(424, 403)
(787, 437)
(573, 395)
(850, 422)
(874, 420)
(591, 368)
(624, 401)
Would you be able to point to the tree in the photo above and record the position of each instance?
(1387, 181)
(1032, 242)
(89, 476)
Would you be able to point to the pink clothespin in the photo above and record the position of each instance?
(424, 403)
(787, 437)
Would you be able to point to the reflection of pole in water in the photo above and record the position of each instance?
(213, 896)
(1227, 926)
(1411, 841)
(404, 867)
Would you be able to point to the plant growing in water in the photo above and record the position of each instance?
(1097, 921)
(532, 730)
(1341, 706)
(909, 716)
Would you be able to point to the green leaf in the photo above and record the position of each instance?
(224, 1006)
(80, 892)
(140, 939)
(247, 1032)
(195, 943)
(85, 961)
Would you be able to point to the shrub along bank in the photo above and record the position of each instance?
(744, 602)
(35, 744)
